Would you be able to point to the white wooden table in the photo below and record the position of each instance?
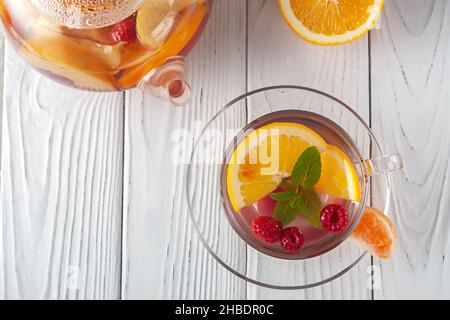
(92, 208)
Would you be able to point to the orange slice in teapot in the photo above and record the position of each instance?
(80, 79)
(87, 66)
(185, 29)
(46, 41)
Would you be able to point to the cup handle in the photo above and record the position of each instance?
(384, 164)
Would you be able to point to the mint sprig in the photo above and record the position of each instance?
(314, 207)
(307, 169)
(284, 196)
(285, 213)
(300, 199)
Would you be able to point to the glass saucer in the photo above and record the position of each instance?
(210, 215)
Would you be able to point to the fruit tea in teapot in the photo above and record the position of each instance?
(108, 45)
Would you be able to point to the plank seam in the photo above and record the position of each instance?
(122, 209)
(372, 290)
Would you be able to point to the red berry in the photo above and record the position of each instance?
(334, 218)
(292, 239)
(124, 31)
(267, 228)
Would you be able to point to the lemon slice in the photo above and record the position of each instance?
(154, 22)
(339, 177)
(156, 18)
(180, 5)
(331, 22)
(264, 158)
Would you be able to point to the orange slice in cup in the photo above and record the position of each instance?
(339, 177)
(264, 158)
(375, 233)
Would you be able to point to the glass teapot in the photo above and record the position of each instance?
(108, 45)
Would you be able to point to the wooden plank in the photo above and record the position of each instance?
(410, 81)
(61, 189)
(2, 258)
(342, 71)
(163, 257)
(2, 63)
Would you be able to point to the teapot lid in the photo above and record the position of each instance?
(87, 14)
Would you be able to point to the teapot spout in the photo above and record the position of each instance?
(168, 83)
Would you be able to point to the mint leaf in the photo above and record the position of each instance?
(312, 200)
(283, 196)
(298, 203)
(313, 220)
(307, 169)
(314, 208)
(285, 213)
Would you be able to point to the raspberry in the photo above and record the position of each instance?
(292, 239)
(334, 218)
(267, 228)
(124, 31)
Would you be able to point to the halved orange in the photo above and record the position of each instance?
(264, 158)
(339, 177)
(330, 22)
(375, 233)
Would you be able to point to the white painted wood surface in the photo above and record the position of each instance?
(61, 189)
(88, 185)
(411, 110)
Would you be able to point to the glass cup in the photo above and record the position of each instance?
(225, 233)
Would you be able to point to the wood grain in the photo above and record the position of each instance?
(76, 164)
(2, 64)
(410, 103)
(61, 189)
(341, 71)
(163, 257)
